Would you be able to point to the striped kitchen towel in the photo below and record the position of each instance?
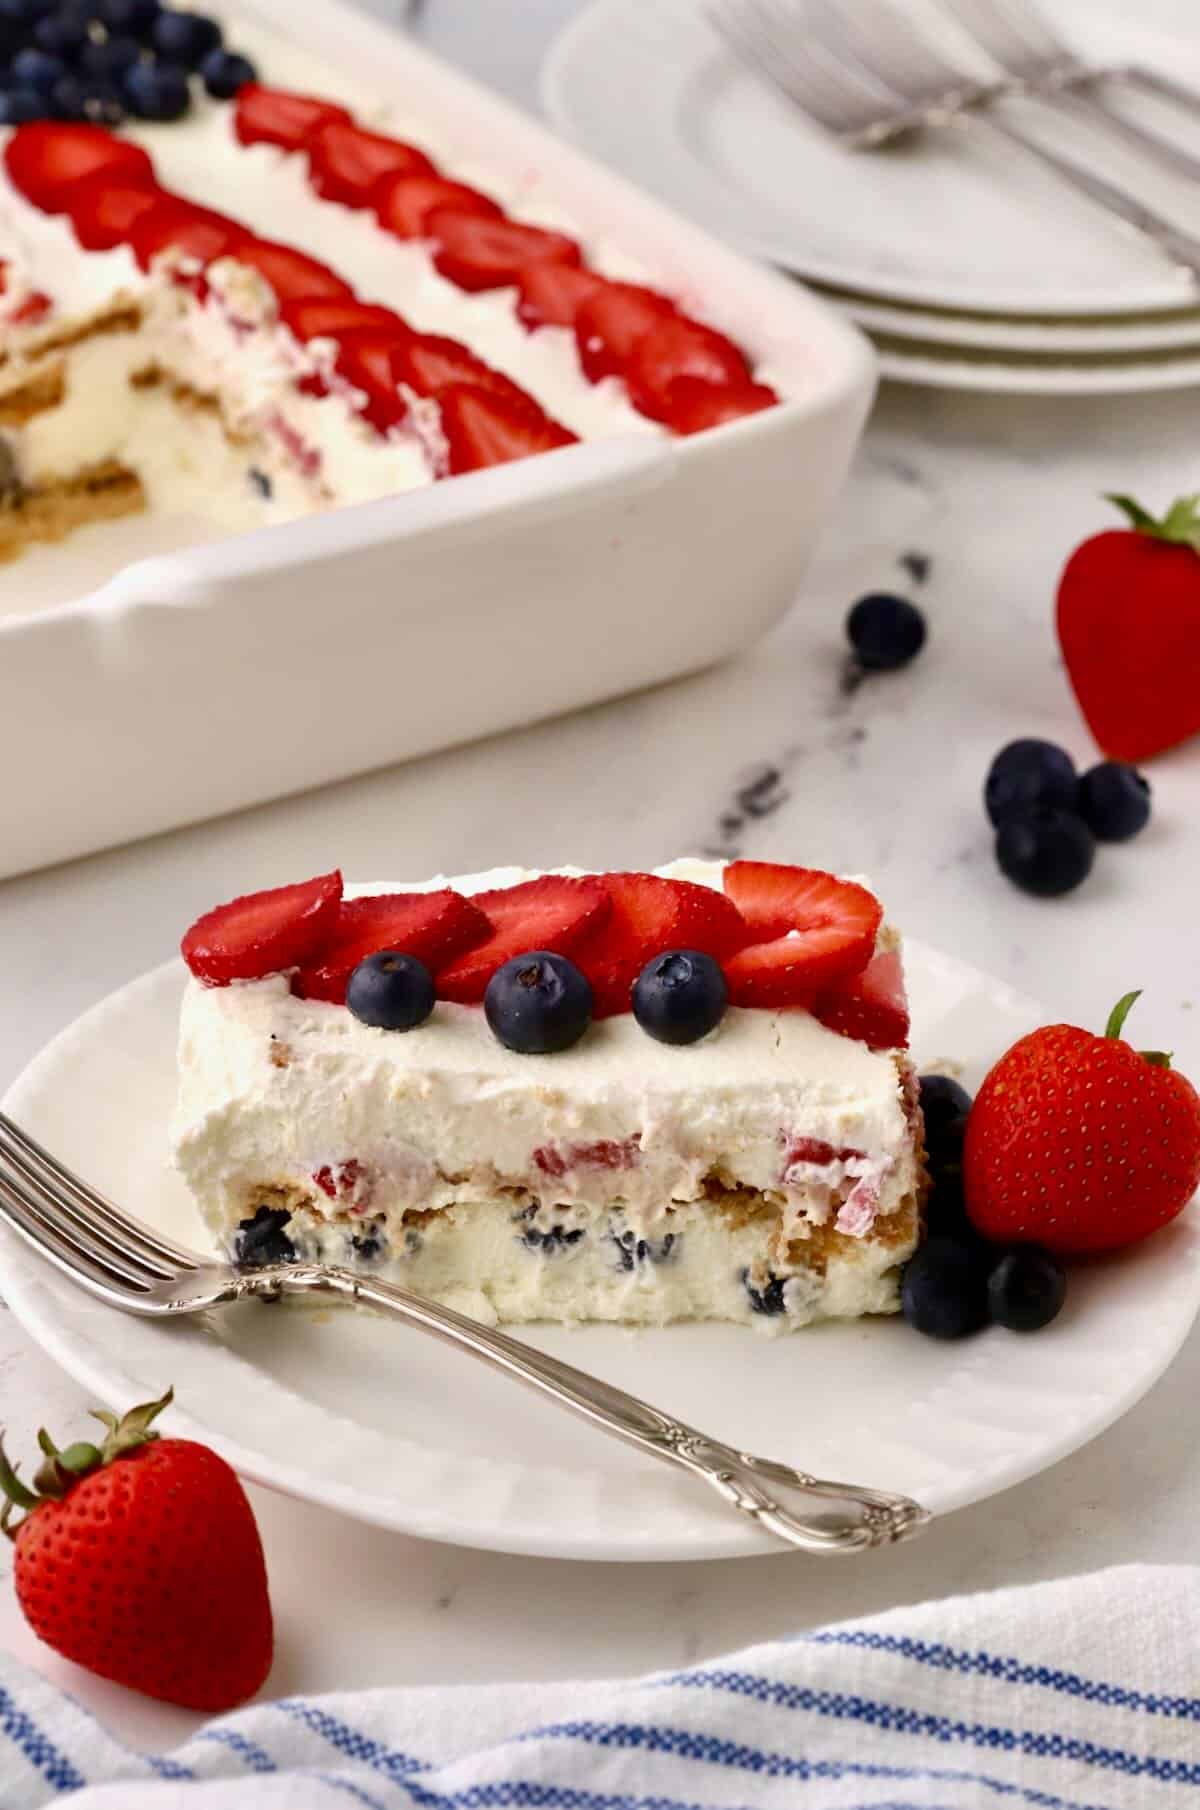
(1083, 1694)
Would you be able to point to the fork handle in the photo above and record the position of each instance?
(838, 1518)
(1182, 248)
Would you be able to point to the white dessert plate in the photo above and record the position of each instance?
(999, 336)
(391, 1428)
(975, 368)
(953, 220)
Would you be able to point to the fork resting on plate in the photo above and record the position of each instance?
(863, 71)
(130, 1266)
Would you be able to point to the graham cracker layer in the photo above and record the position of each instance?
(48, 512)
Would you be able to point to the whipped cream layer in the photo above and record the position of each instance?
(300, 1094)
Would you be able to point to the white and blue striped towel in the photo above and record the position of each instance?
(1076, 1695)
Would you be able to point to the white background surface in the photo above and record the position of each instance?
(996, 492)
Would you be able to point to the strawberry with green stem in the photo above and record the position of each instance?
(1081, 1143)
(139, 1559)
(1129, 628)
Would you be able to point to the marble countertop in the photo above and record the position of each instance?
(969, 503)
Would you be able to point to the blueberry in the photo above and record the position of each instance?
(1048, 854)
(61, 35)
(262, 1240)
(36, 69)
(943, 1101)
(185, 37)
(680, 996)
(944, 1291)
(135, 17)
(391, 990)
(945, 1104)
(1114, 800)
(23, 15)
(1026, 1289)
(78, 97)
(110, 59)
(1029, 775)
(261, 482)
(157, 91)
(368, 1245)
(633, 1251)
(538, 1003)
(946, 1208)
(767, 1300)
(224, 72)
(20, 106)
(551, 1242)
(885, 632)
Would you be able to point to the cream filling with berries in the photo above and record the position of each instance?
(770, 1172)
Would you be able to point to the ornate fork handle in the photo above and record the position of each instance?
(838, 1518)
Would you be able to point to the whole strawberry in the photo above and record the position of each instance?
(140, 1560)
(1080, 1143)
(1129, 628)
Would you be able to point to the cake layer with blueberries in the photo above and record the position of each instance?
(425, 317)
(682, 1095)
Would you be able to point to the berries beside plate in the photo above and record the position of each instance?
(1074, 1145)
(1048, 818)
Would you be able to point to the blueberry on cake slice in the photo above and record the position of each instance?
(634, 1097)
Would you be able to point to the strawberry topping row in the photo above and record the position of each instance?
(780, 937)
(108, 189)
(677, 370)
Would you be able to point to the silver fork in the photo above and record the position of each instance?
(1069, 67)
(859, 70)
(130, 1266)
(1046, 71)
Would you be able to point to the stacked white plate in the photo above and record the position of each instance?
(969, 264)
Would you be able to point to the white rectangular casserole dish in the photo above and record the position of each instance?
(199, 681)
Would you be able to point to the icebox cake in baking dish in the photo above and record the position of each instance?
(634, 1097)
(279, 303)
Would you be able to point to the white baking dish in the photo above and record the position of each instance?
(203, 680)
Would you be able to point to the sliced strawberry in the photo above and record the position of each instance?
(103, 207)
(325, 317)
(292, 274)
(485, 428)
(478, 252)
(182, 226)
(677, 348)
(433, 926)
(871, 1007)
(611, 322)
(650, 914)
(275, 116)
(263, 932)
(367, 359)
(812, 930)
(429, 363)
(695, 405)
(32, 309)
(345, 162)
(403, 203)
(550, 294)
(553, 912)
(47, 158)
